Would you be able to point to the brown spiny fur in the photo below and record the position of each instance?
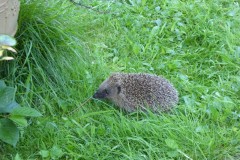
(132, 91)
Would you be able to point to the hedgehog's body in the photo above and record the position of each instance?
(138, 91)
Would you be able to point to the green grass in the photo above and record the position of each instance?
(65, 52)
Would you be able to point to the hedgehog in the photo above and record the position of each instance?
(134, 91)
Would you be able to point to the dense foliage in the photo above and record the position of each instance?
(66, 51)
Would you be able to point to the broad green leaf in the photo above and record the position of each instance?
(2, 84)
(56, 152)
(7, 94)
(7, 108)
(173, 153)
(115, 59)
(7, 40)
(26, 111)
(17, 157)
(44, 153)
(9, 132)
(171, 143)
(19, 120)
(154, 31)
(158, 22)
(157, 8)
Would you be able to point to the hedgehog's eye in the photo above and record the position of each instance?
(119, 89)
(106, 91)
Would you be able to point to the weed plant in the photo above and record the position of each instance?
(66, 51)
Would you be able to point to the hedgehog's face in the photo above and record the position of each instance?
(107, 90)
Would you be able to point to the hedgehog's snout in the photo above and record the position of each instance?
(99, 95)
(96, 95)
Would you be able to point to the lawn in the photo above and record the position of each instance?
(65, 51)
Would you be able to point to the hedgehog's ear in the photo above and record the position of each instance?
(118, 89)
